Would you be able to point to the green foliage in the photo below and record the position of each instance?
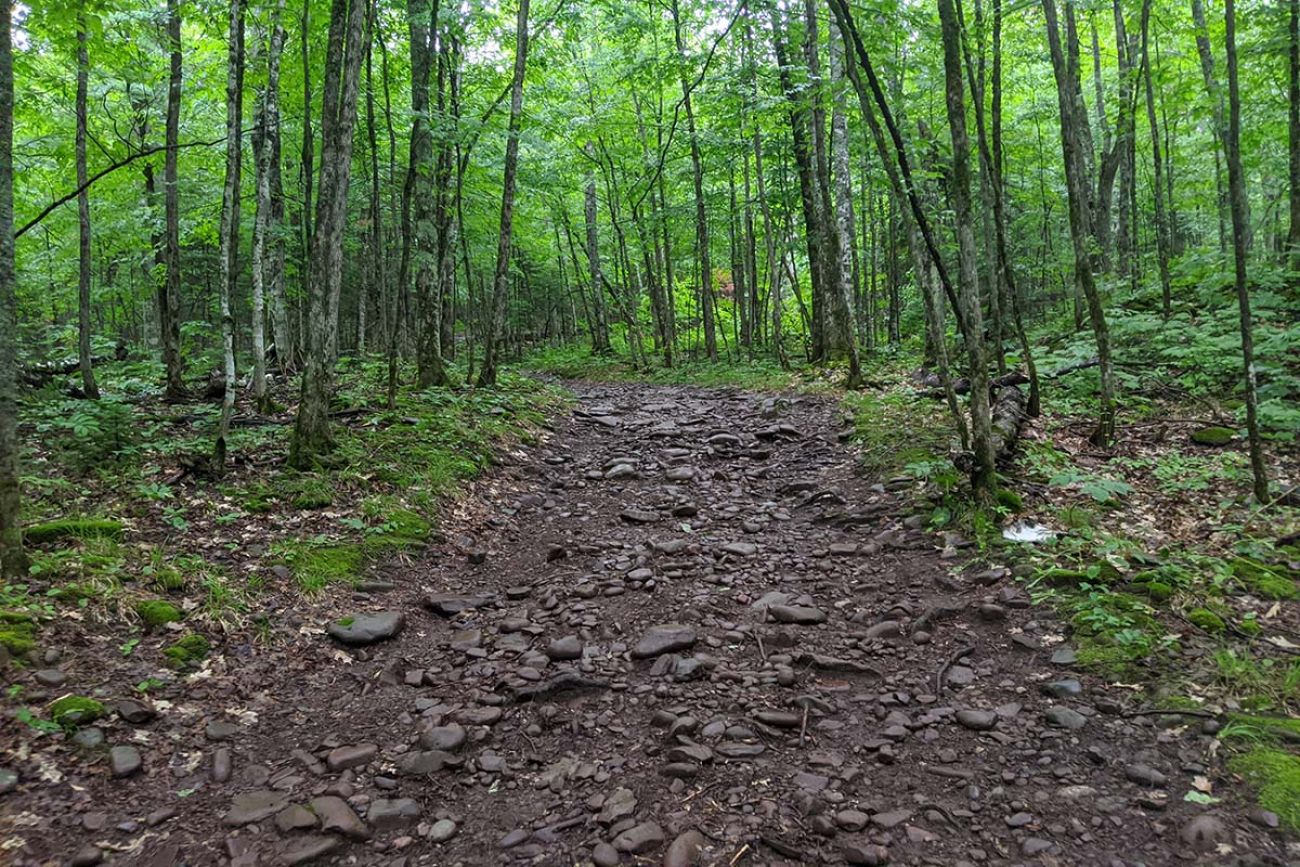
(1268, 581)
(73, 528)
(318, 565)
(17, 636)
(1100, 488)
(91, 432)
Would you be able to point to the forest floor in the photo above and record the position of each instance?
(683, 625)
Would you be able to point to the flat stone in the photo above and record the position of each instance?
(664, 638)
(336, 815)
(514, 838)
(977, 720)
(1203, 831)
(799, 614)
(353, 756)
(295, 818)
(685, 850)
(361, 629)
(89, 738)
(124, 761)
(220, 730)
(448, 738)
(386, 815)
(604, 855)
(1144, 775)
(891, 819)
(619, 805)
(1064, 655)
(247, 807)
(566, 648)
(308, 849)
(740, 549)
(135, 712)
(640, 839)
(51, 677)
(451, 604)
(87, 856)
(884, 629)
(1067, 688)
(1065, 718)
(869, 854)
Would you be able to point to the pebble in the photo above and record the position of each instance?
(124, 761)
(1064, 717)
(50, 677)
(354, 756)
(1203, 831)
(977, 720)
(386, 815)
(566, 648)
(685, 850)
(442, 831)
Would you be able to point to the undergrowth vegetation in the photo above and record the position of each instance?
(127, 531)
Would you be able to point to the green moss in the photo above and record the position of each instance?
(1158, 591)
(311, 493)
(157, 612)
(75, 710)
(187, 651)
(18, 637)
(317, 566)
(1276, 774)
(1213, 436)
(1010, 500)
(1270, 582)
(345, 622)
(1109, 659)
(1206, 619)
(73, 528)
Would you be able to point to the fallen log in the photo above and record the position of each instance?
(1008, 418)
(37, 375)
(933, 388)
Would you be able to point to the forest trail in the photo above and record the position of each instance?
(536, 707)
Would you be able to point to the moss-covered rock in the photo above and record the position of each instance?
(187, 651)
(158, 612)
(73, 528)
(1263, 579)
(1206, 619)
(17, 633)
(1010, 500)
(1158, 591)
(1276, 774)
(1213, 436)
(75, 710)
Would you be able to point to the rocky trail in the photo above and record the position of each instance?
(681, 630)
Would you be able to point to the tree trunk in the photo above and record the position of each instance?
(424, 29)
(263, 223)
(1293, 130)
(83, 217)
(984, 472)
(600, 330)
(1073, 148)
(311, 435)
(230, 222)
(843, 284)
(169, 293)
(307, 164)
(13, 561)
(1162, 223)
(1216, 107)
(1240, 247)
(501, 277)
(701, 209)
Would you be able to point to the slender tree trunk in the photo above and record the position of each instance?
(1073, 147)
(83, 217)
(847, 335)
(984, 473)
(1293, 132)
(701, 208)
(600, 330)
(1162, 223)
(423, 195)
(496, 324)
(13, 560)
(311, 436)
(264, 226)
(230, 222)
(169, 293)
(307, 165)
(1216, 107)
(1240, 248)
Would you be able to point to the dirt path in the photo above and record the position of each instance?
(683, 612)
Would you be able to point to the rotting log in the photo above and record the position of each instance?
(1008, 417)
